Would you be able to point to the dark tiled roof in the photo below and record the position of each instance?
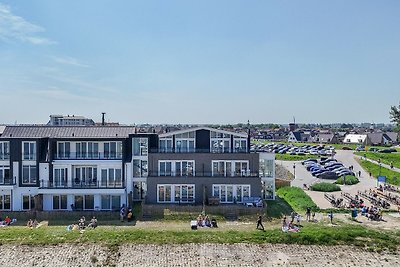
(67, 131)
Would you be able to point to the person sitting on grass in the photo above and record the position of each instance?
(29, 224)
(93, 223)
(7, 221)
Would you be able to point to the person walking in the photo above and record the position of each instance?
(259, 223)
(308, 214)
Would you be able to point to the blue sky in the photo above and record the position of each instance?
(200, 61)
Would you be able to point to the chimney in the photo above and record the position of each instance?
(102, 118)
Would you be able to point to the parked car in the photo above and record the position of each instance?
(373, 149)
(387, 150)
(309, 160)
(327, 175)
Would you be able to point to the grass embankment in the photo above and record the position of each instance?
(325, 187)
(296, 198)
(374, 170)
(348, 180)
(386, 158)
(317, 234)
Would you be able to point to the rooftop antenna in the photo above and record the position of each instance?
(102, 118)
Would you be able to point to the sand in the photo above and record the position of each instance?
(192, 255)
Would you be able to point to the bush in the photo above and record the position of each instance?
(325, 187)
(349, 179)
(296, 198)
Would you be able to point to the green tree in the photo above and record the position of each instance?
(395, 116)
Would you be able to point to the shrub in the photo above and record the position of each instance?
(325, 187)
(296, 198)
(348, 179)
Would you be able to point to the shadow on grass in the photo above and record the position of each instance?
(277, 208)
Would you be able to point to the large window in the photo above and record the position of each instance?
(175, 193)
(231, 193)
(111, 177)
(240, 144)
(185, 142)
(28, 202)
(4, 151)
(87, 150)
(110, 202)
(29, 174)
(165, 144)
(220, 142)
(113, 150)
(5, 202)
(85, 202)
(63, 150)
(60, 177)
(85, 175)
(140, 146)
(139, 168)
(29, 150)
(266, 168)
(224, 168)
(59, 202)
(176, 168)
(4, 175)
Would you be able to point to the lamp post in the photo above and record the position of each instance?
(294, 170)
(380, 166)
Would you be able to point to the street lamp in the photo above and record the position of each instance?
(380, 166)
(294, 170)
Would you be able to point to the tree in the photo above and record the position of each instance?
(395, 116)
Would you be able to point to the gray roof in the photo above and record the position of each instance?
(67, 131)
(375, 138)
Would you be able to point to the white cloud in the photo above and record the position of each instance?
(69, 61)
(13, 27)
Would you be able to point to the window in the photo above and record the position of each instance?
(29, 174)
(185, 142)
(60, 177)
(173, 193)
(5, 202)
(111, 177)
(140, 146)
(4, 151)
(87, 150)
(240, 144)
(223, 168)
(29, 150)
(64, 150)
(113, 150)
(220, 142)
(176, 168)
(85, 202)
(165, 145)
(110, 202)
(139, 168)
(266, 168)
(59, 202)
(5, 175)
(28, 202)
(231, 193)
(85, 175)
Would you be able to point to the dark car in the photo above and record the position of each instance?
(346, 148)
(387, 150)
(315, 173)
(309, 160)
(327, 175)
(373, 149)
(327, 160)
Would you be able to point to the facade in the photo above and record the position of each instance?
(60, 120)
(102, 167)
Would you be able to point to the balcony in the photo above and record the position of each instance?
(4, 156)
(208, 174)
(88, 156)
(81, 184)
(8, 181)
(197, 150)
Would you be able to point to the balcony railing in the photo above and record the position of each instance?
(4, 156)
(8, 181)
(196, 150)
(81, 184)
(90, 156)
(206, 174)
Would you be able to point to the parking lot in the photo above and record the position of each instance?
(291, 149)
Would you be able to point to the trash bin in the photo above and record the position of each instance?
(353, 213)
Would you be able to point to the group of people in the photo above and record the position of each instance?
(81, 225)
(32, 223)
(7, 221)
(374, 213)
(125, 213)
(204, 221)
(289, 226)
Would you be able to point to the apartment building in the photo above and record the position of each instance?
(103, 167)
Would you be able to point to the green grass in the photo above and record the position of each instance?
(289, 157)
(296, 198)
(348, 180)
(311, 234)
(374, 170)
(277, 208)
(325, 187)
(385, 158)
